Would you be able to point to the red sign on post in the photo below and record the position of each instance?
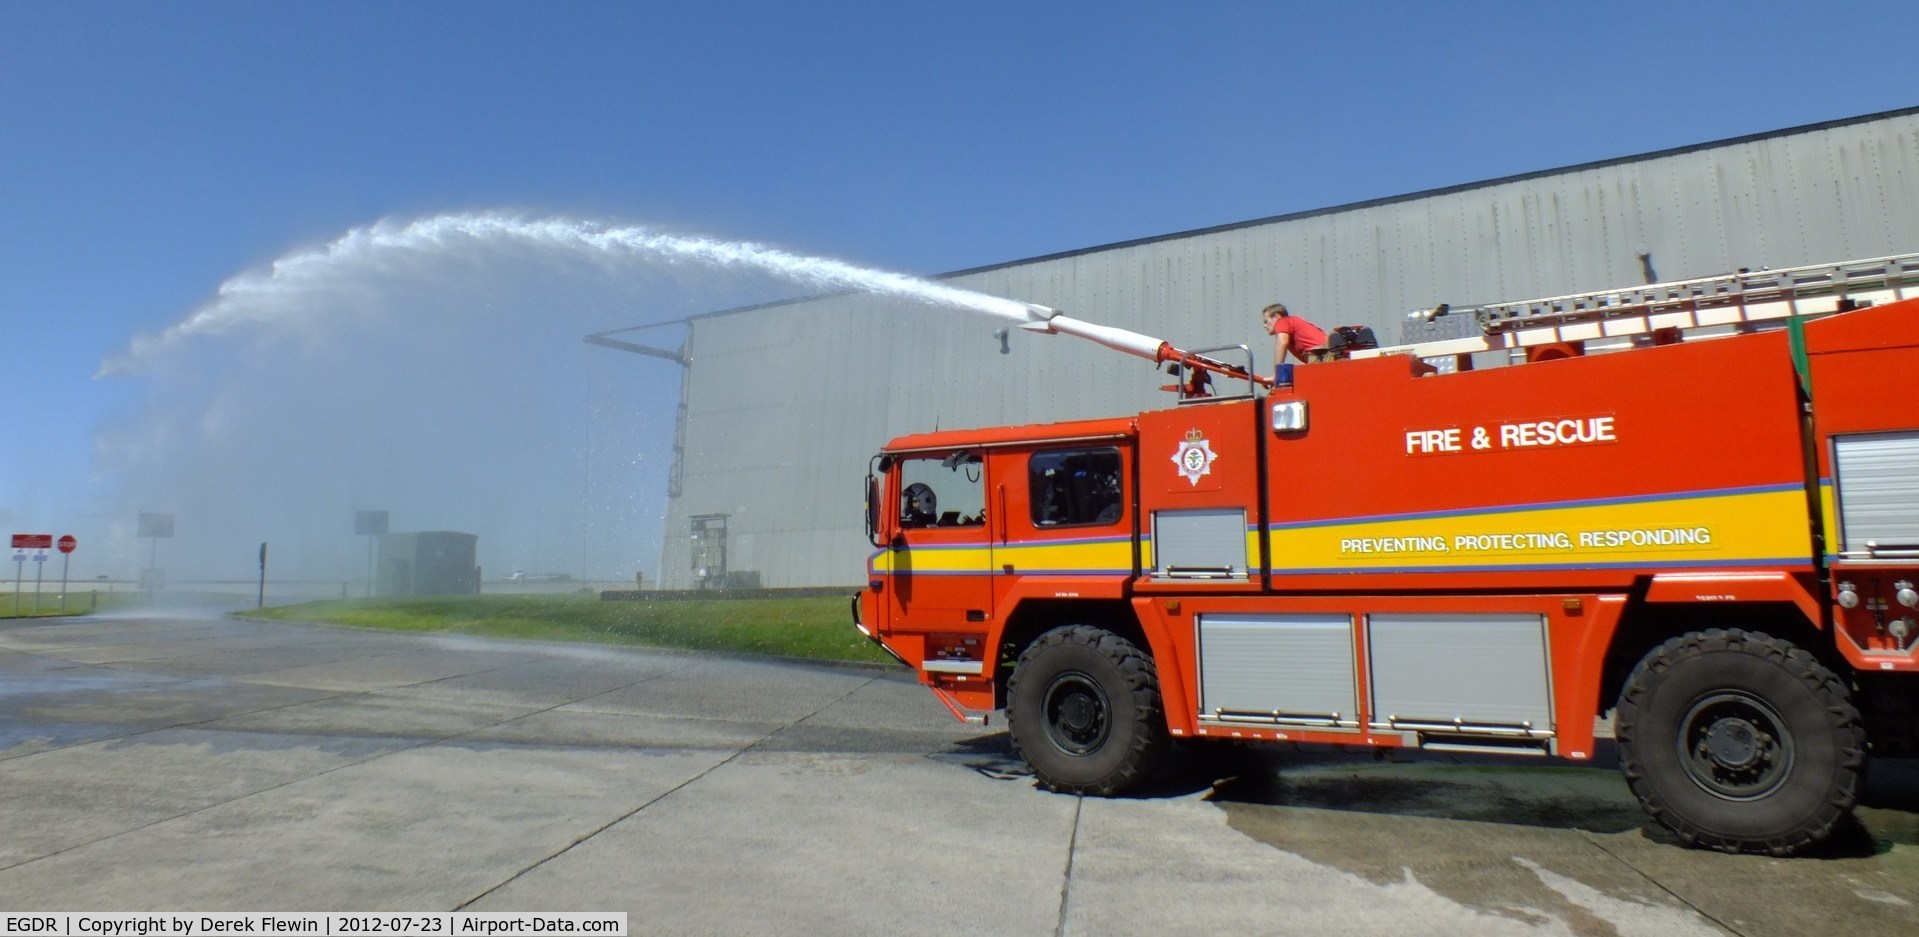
(67, 543)
(32, 541)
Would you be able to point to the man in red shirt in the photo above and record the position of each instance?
(1305, 340)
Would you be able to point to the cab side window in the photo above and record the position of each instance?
(942, 492)
(1076, 487)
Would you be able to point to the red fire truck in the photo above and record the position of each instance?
(1690, 507)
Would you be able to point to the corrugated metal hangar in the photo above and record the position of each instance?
(765, 489)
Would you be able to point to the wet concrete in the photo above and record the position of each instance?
(210, 764)
(1522, 838)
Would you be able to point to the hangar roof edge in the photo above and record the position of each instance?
(1367, 203)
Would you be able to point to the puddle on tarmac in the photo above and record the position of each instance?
(1461, 829)
(989, 755)
(18, 739)
(1538, 796)
(1889, 804)
(1455, 828)
(62, 682)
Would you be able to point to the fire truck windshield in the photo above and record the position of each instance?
(936, 492)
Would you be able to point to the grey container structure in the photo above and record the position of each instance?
(782, 405)
(432, 562)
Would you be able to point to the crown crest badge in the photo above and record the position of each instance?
(1194, 457)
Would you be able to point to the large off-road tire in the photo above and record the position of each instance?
(1740, 742)
(1085, 712)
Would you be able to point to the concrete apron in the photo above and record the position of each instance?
(211, 764)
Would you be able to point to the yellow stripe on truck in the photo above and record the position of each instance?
(1743, 527)
(1096, 557)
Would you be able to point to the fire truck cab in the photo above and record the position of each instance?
(1712, 540)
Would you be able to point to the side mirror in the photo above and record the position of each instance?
(873, 510)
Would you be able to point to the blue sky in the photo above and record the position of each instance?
(149, 152)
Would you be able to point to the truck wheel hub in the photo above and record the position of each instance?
(1734, 746)
(1733, 743)
(1077, 721)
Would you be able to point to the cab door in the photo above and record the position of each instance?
(940, 562)
(1066, 519)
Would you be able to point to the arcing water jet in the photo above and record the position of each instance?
(260, 296)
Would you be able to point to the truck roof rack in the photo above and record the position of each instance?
(1656, 313)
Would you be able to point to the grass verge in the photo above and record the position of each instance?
(820, 629)
(78, 603)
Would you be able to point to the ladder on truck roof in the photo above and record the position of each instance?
(1656, 313)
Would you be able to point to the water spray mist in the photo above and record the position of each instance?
(262, 296)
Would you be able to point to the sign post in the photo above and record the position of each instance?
(38, 543)
(67, 543)
(155, 527)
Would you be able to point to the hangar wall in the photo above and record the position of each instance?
(784, 404)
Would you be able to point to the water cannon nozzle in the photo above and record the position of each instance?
(1039, 318)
